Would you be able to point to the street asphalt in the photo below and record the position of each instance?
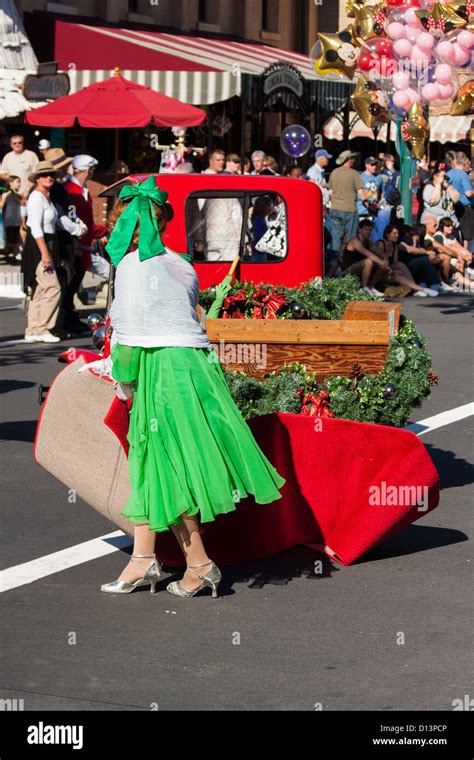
(281, 638)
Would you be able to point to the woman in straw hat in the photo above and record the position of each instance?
(191, 455)
(40, 258)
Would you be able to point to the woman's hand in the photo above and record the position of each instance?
(125, 391)
(48, 265)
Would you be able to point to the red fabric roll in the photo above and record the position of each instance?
(335, 470)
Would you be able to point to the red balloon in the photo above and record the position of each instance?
(405, 3)
(385, 66)
(383, 47)
(366, 61)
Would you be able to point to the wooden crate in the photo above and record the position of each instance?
(327, 347)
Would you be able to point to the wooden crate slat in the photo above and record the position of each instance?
(323, 360)
(310, 332)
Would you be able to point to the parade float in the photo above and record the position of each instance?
(336, 360)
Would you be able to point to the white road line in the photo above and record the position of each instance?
(440, 420)
(19, 575)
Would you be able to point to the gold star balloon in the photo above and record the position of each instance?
(440, 19)
(463, 8)
(370, 103)
(369, 20)
(465, 100)
(340, 53)
(350, 11)
(416, 130)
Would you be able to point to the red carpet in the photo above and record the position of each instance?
(327, 498)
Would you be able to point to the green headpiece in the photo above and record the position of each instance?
(142, 196)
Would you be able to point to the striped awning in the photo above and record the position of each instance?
(443, 129)
(195, 70)
(196, 88)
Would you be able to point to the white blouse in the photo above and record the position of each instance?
(42, 215)
(155, 303)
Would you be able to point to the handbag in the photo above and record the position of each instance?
(274, 240)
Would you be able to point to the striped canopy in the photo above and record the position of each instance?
(195, 70)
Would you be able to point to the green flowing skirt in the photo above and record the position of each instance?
(191, 451)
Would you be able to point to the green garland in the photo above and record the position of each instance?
(387, 398)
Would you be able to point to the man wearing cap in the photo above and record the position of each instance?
(373, 185)
(19, 162)
(43, 147)
(316, 173)
(345, 186)
(80, 206)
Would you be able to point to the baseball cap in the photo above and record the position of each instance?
(345, 156)
(83, 161)
(370, 160)
(44, 145)
(323, 154)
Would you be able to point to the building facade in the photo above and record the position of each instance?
(287, 24)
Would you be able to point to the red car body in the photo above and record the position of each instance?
(305, 239)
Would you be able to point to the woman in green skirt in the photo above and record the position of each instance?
(192, 456)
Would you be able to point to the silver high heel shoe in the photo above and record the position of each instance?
(152, 576)
(211, 580)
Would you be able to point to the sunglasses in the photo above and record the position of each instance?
(47, 174)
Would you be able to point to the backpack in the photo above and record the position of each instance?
(393, 195)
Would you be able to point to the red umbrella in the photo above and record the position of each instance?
(116, 102)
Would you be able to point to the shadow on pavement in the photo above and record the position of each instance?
(412, 540)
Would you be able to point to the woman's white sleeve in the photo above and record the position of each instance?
(35, 209)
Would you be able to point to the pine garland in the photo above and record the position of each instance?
(387, 398)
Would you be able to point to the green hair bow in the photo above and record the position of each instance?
(142, 196)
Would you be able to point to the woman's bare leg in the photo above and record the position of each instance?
(144, 543)
(189, 539)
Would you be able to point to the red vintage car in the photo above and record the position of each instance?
(218, 217)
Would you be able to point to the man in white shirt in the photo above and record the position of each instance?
(216, 162)
(316, 173)
(258, 158)
(19, 162)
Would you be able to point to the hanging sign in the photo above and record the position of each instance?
(283, 76)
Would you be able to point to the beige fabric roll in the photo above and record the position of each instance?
(74, 444)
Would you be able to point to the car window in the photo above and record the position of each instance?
(223, 225)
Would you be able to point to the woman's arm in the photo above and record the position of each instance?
(125, 363)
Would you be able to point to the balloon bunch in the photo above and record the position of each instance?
(411, 51)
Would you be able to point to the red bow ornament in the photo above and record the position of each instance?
(267, 304)
(230, 307)
(316, 405)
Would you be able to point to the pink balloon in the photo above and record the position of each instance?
(425, 41)
(412, 34)
(401, 100)
(461, 55)
(403, 48)
(445, 51)
(443, 73)
(430, 92)
(413, 95)
(420, 57)
(466, 40)
(412, 19)
(401, 80)
(396, 31)
(446, 91)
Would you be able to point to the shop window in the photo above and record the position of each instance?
(209, 11)
(271, 16)
(221, 226)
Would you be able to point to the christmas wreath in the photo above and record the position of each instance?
(387, 398)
